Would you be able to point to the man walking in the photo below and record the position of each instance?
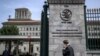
(67, 49)
(6, 52)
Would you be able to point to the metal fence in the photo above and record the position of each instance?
(93, 29)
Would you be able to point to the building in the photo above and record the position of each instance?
(29, 28)
(22, 13)
(29, 32)
(25, 24)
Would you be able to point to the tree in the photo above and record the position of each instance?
(0, 31)
(9, 30)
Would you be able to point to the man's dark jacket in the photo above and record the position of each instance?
(68, 51)
(6, 53)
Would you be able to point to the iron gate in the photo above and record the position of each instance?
(93, 29)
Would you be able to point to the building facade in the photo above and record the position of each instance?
(29, 32)
(25, 24)
(30, 29)
(22, 13)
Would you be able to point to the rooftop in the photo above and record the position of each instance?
(21, 8)
(22, 22)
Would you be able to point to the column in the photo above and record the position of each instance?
(18, 14)
(15, 14)
(21, 14)
(24, 14)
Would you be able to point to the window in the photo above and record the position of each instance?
(27, 29)
(20, 29)
(30, 29)
(23, 33)
(89, 34)
(33, 29)
(33, 33)
(89, 28)
(36, 34)
(36, 28)
(37, 48)
(24, 28)
(30, 33)
(24, 48)
(26, 33)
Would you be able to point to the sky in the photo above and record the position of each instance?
(7, 7)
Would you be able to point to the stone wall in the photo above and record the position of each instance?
(60, 30)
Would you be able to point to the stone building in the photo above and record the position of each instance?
(29, 32)
(25, 24)
(22, 13)
(60, 28)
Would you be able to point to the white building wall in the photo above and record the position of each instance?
(21, 47)
(37, 48)
(2, 48)
(33, 30)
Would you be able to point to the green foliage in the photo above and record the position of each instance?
(9, 30)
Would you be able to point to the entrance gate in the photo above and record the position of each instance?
(93, 32)
(93, 29)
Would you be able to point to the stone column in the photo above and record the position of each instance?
(24, 14)
(21, 14)
(17, 14)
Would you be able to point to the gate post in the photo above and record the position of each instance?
(44, 31)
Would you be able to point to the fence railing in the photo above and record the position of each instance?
(93, 29)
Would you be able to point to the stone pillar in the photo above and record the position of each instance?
(21, 14)
(15, 14)
(24, 14)
(66, 22)
(18, 14)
